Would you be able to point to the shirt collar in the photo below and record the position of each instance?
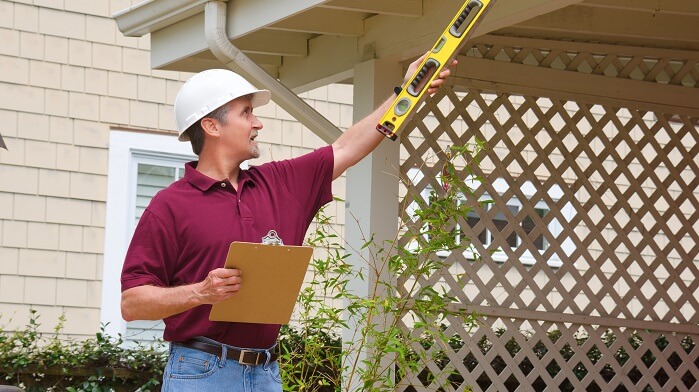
(204, 182)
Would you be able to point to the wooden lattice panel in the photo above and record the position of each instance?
(592, 234)
(674, 68)
(556, 356)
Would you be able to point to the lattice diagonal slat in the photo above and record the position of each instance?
(556, 356)
(605, 182)
(586, 58)
(590, 242)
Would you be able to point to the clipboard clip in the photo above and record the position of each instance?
(272, 238)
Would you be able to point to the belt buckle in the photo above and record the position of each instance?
(241, 357)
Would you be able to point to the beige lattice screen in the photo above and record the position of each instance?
(666, 66)
(584, 267)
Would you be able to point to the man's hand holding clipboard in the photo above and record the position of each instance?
(273, 278)
(221, 284)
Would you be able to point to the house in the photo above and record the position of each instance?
(76, 96)
(588, 109)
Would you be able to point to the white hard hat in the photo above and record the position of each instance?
(207, 91)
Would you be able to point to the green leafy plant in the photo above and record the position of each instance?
(37, 362)
(377, 320)
(50, 364)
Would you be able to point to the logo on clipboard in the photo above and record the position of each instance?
(272, 238)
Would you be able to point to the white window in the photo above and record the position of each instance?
(514, 206)
(485, 236)
(153, 172)
(140, 164)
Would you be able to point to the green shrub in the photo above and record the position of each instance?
(310, 360)
(37, 362)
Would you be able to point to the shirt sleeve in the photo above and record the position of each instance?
(308, 179)
(151, 256)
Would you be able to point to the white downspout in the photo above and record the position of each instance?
(221, 47)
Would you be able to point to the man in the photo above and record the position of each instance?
(173, 268)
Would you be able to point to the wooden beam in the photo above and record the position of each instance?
(178, 41)
(574, 46)
(247, 16)
(265, 59)
(411, 8)
(272, 42)
(260, 59)
(405, 38)
(653, 6)
(396, 37)
(186, 38)
(207, 60)
(388, 36)
(197, 64)
(329, 59)
(615, 24)
(527, 79)
(324, 21)
(193, 64)
(527, 314)
(510, 12)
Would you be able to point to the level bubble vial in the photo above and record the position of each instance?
(402, 107)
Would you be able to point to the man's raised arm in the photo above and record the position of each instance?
(362, 138)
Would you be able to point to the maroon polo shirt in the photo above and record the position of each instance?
(186, 230)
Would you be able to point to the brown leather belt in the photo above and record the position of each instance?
(244, 357)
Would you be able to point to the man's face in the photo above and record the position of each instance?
(240, 131)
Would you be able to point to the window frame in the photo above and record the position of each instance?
(126, 148)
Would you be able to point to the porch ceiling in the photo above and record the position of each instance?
(306, 43)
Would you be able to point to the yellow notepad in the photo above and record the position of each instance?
(272, 278)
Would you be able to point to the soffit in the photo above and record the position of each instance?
(306, 43)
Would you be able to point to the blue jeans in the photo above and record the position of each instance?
(188, 369)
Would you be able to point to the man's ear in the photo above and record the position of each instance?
(210, 126)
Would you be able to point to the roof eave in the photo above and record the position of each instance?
(152, 15)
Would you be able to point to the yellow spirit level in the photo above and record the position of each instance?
(446, 48)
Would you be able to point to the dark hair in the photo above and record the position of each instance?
(196, 132)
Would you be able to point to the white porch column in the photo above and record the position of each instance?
(372, 190)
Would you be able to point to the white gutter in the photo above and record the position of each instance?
(224, 50)
(149, 16)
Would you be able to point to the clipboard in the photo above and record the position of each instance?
(272, 279)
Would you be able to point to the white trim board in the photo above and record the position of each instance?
(122, 145)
